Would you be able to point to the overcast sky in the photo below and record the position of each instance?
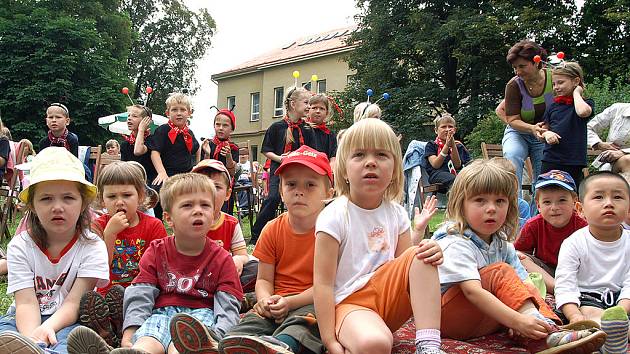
(246, 29)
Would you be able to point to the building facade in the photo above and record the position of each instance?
(256, 88)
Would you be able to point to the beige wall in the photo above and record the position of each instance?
(330, 68)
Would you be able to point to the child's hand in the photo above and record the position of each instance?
(205, 146)
(430, 252)
(225, 151)
(44, 334)
(125, 342)
(521, 255)
(262, 307)
(421, 219)
(335, 347)
(161, 177)
(117, 223)
(578, 90)
(538, 130)
(239, 265)
(278, 307)
(551, 138)
(144, 125)
(531, 327)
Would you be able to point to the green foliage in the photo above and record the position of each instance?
(169, 39)
(61, 51)
(489, 129)
(604, 92)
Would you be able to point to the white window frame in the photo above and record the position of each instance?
(321, 82)
(278, 111)
(254, 115)
(233, 103)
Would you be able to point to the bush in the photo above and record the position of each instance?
(489, 129)
(604, 93)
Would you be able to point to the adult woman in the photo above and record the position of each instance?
(616, 148)
(527, 95)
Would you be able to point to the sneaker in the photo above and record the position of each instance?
(15, 343)
(253, 345)
(191, 336)
(94, 314)
(248, 302)
(114, 299)
(583, 341)
(578, 325)
(83, 340)
(430, 351)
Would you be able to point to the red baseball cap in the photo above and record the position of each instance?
(229, 114)
(309, 157)
(210, 164)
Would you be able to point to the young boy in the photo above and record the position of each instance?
(57, 120)
(285, 273)
(174, 148)
(225, 229)
(185, 273)
(319, 112)
(444, 156)
(539, 241)
(593, 274)
(220, 147)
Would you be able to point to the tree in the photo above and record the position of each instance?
(66, 51)
(446, 54)
(169, 40)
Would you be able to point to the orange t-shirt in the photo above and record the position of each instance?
(290, 253)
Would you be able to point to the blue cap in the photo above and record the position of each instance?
(558, 178)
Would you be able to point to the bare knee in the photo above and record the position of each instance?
(375, 343)
(622, 164)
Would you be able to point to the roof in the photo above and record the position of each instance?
(304, 48)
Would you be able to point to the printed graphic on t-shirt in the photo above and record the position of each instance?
(377, 242)
(125, 259)
(46, 291)
(185, 284)
(219, 243)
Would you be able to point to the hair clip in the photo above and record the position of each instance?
(553, 60)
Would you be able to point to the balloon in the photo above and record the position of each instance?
(125, 90)
(560, 55)
(369, 92)
(314, 77)
(537, 59)
(296, 74)
(386, 96)
(149, 90)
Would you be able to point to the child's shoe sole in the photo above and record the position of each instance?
(586, 345)
(14, 343)
(249, 345)
(83, 340)
(94, 314)
(114, 299)
(579, 325)
(191, 336)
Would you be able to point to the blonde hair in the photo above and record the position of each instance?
(178, 98)
(366, 110)
(144, 110)
(184, 183)
(571, 69)
(369, 134)
(112, 142)
(443, 118)
(292, 95)
(323, 99)
(482, 177)
(121, 173)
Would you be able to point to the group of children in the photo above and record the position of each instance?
(330, 274)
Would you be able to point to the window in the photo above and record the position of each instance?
(255, 107)
(321, 86)
(307, 85)
(231, 102)
(278, 106)
(255, 153)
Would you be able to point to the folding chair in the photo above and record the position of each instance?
(95, 160)
(496, 150)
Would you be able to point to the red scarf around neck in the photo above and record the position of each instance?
(131, 139)
(172, 135)
(568, 100)
(323, 128)
(59, 141)
(219, 146)
(291, 126)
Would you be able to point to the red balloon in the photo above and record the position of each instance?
(537, 59)
(125, 90)
(560, 55)
(149, 90)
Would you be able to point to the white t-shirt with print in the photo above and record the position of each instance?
(29, 267)
(367, 239)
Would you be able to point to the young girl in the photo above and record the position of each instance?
(281, 138)
(57, 121)
(366, 110)
(368, 279)
(127, 232)
(134, 148)
(481, 277)
(566, 119)
(56, 260)
(320, 111)
(112, 147)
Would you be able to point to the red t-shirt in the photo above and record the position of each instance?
(542, 240)
(188, 281)
(129, 246)
(224, 233)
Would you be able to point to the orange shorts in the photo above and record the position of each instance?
(386, 293)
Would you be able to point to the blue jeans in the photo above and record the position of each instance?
(7, 323)
(517, 147)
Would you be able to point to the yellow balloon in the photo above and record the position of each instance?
(314, 77)
(296, 74)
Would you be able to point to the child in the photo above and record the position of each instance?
(174, 148)
(57, 120)
(541, 237)
(226, 230)
(5, 150)
(285, 278)
(593, 274)
(112, 147)
(134, 148)
(481, 277)
(220, 147)
(566, 119)
(444, 156)
(281, 138)
(366, 110)
(523, 206)
(127, 233)
(368, 279)
(320, 111)
(56, 260)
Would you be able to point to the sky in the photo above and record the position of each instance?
(246, 29)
